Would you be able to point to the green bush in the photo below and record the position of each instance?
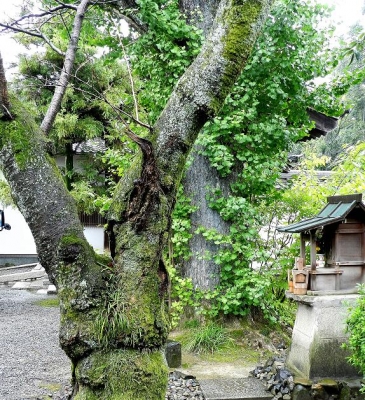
(355, 326)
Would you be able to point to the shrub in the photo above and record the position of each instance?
(355, 326)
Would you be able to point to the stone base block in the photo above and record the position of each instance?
(316, 351)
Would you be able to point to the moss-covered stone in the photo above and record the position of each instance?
(345, 393)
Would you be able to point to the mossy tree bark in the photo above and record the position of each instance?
(113, 315)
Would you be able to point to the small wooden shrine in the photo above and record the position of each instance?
(336, 241)
(324, 277)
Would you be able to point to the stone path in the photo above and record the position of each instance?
(27, 277)
(234, 389)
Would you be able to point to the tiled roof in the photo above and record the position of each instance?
(336, 210)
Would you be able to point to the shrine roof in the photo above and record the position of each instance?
(336, 210)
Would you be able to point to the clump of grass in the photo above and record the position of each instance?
(191, 324)
(112, 319)
(209, 338)
(52, 302)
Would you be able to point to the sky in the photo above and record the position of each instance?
(346, 14)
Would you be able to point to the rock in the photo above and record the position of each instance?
(319, 393)
(284, 390)
(52, 289)
(183, 389)
(173, 354)
(180, 375)
(257, 371)
(328, 383)
(345, 393)
(20, 285)
(279, 364)
(269, 362)
(303, 381)
(301, 393)
(283, 375)
(355, 384)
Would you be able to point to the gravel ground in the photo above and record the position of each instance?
(182, 387)
(33, 366)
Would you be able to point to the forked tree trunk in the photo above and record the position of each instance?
(113, 316)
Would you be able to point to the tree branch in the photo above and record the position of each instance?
(68, 65)
(202, 89)
(116, 27)
(14, 25)
(37, 34)
(4, 97)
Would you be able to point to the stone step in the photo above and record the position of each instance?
(234, 389)
(22, 276)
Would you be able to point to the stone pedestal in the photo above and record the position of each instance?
(173, 354)
(318, 334)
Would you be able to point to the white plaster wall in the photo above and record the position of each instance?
(95, 236)
(19, 239)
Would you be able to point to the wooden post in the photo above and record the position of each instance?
(302, 246)
(313, 249)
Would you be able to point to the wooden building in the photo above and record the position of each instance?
(333, 245)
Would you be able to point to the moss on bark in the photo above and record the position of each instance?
(22, 134)
(121, 375)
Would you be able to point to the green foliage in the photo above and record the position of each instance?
(346, 177)
(181, 226)
(5, 194)
(163, 53)
(208, 338)
(347, 81)
(112, 320)
(248, 142)
(147, 68)
(182, 296)
(355, 326)
(266, 111)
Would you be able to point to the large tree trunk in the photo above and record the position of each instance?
(199, 178)
(113, 316)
